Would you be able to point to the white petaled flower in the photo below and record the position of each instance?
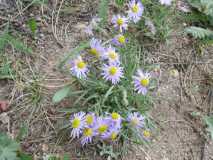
(88, 134)
(119, 40)
(92, 25)
(77, 124)
(111, 54)
(146, 134)
(88, 30)
(112, 72)
(111, 134)
(102, 125)
(116, 119)
(79, 67)
(136, 120)
(90, 119)
(135, 10)
(141, 81)
(166, 2)
(120, 22)
(96, 49)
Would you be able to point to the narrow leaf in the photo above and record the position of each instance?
(61, 94)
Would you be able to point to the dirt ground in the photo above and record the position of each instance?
(180, 102)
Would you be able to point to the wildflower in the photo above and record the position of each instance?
(94, 22)
(111, 55)
(141, 82)
(116, 120)
(92, 25)
(79, 68)
(136, 120)
(135, 10)
(88, 134)
(166, 2)
(77, 124)
(112, 134)
(146, 134)
(102, 125)
(112, 72)
(119, 40)
(96, 48)
(120, 22)
(88, 30)
(90, 119)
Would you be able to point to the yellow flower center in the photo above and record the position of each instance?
(134, 121)
(146, 133)
(121, 39)
(112, 55)
(113, 71)
(120, 21)
(89, 119)
(144, 82)
(81, 65)
(115, 116)
(94, 52)
(102, 128)
(135, 8)
(88, 132)
(76, 123)
(113, 136)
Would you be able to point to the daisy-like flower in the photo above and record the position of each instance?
(146, 134)
(112, 72)
(88, 30)
(88, 134)
(111, 54)
(111, 134)
(119, 40)
(120, 22)
(166, 2)
(79, 68)
(135, 10)
(136, 120)
(96, 48)
(116, 120)
(92, 25)
(90, 119)
(102, 125)
(77, 124)
(141, 81)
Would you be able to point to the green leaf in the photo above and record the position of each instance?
(204, 6)
(6, 38)
(66, 157)
(3, 38)
(8, 148)
(103, 11)
(18, 45)
(209, 122)
(32, 25)
(199, 32)
(6, 71)
(120, 2)
(23, 131)
(24, 156)
(61, 94)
